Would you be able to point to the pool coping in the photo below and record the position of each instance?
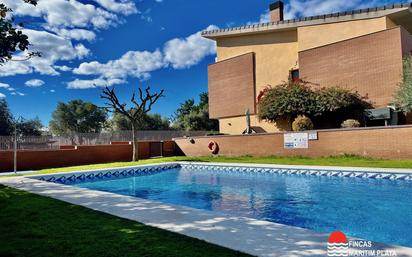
(335, 171)
(262, 238)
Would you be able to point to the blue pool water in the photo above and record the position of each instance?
(378, 210)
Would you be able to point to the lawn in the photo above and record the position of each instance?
(32, 225)
(344, 160)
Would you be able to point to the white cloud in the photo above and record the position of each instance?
(34, 83)
(15, 68)
(133, 63)
(2, 95)
(77, 34)
(17, 93)
(62, 68)
(178, 53)
(53, 48)
(183, 53)
(66, 21)
(124, 7)
(304, 8)
(264, 17)
(52, 91)
(93, 83)
(4, 85)
(63, 13)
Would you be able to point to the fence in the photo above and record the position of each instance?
(54, 142)
(32, 142)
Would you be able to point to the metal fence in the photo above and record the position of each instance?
(54, 142)
(31, 142)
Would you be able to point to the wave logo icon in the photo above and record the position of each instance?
(338, 244)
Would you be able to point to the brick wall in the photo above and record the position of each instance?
(232, 87)
(80, 155)
(370, 64)
(406, 42)
(383, 142)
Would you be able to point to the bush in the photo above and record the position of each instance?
(286, 101)
(293, 98)
(350, 123)
(302, 123)
(403, 96)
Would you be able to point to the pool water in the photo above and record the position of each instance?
(377, 210)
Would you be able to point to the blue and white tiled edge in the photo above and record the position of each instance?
(75, 177)
(256, 237)
(352, 172)
(370, 173)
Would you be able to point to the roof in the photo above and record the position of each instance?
(359, 14)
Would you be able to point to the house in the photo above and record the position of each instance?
(361, 50)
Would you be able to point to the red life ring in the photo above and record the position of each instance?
(213, 147)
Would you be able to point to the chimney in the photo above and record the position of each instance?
(276, 11)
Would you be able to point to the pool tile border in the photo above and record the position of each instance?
(75, 177)
(123, 172)
(305, 171)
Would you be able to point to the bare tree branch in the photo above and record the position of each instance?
(135, 113)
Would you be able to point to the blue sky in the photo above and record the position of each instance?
(87, 44)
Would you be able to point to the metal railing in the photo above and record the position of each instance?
(30, 142)
(54, 142)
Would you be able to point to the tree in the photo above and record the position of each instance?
(6, 127)
(25, 127)
(77, 116)
(150, 122)
(11, 38)
(136, 113)
(190, 116)
(403, 96)
(293, 98)
(29, 127)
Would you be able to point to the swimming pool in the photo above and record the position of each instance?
(370, 208)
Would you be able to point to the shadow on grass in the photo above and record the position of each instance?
(32, 225)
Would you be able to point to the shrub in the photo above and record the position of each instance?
(302, 123)
(333, 99)
(294, 98)
(286, 101)
(350, 123)
(403, 96)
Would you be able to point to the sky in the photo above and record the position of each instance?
(89, 44)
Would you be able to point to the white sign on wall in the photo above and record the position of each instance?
(313, 135)
(295, 140)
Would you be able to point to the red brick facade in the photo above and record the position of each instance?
(370, 64)
(232, 87)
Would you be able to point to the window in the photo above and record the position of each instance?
(294, 74)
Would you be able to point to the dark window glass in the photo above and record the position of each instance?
(294, 74)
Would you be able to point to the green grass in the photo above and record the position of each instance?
(344, 160)
(33, 226)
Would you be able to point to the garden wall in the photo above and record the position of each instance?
(78, 155)
(382, 142)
